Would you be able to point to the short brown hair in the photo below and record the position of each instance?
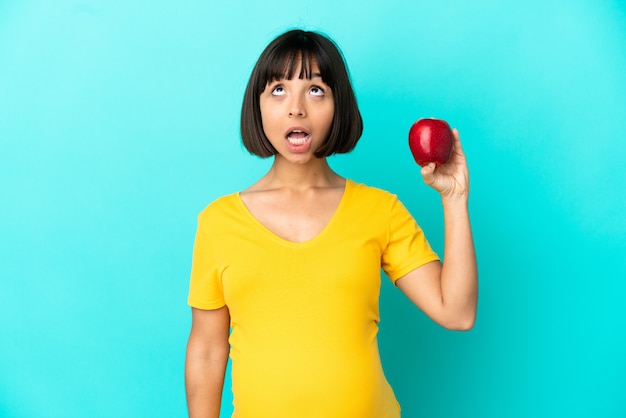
(280, 59)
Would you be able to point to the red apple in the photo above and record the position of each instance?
(431, 141)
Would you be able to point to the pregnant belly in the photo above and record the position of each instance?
(323, 383)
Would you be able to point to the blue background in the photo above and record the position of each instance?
(119, 123)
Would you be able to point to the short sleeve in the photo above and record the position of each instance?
(407, 247)
(205, 288)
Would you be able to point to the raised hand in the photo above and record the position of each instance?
(451, 179)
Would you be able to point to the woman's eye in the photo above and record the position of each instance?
(317, 91)
(278, 91)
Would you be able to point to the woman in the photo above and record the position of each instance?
(286, 274)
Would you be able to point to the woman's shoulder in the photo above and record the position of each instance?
(365, 198)
(365, 191)
(220, 205)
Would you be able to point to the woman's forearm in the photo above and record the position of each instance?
(204, 381)
(459, 275)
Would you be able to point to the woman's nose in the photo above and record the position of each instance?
(297, 108)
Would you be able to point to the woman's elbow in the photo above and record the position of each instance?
(461, 322)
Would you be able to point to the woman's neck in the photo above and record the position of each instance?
(314, 174)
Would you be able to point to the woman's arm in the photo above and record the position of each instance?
(449, 293)
(205, 365)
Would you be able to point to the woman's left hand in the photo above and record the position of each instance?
(452, 178)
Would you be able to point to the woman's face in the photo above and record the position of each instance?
(297, 115)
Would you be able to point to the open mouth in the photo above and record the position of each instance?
(297, 137)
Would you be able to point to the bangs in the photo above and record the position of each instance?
(288, 63)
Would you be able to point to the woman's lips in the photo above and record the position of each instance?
(298, 137)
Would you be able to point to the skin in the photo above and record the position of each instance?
(206, 358)
(297, 198)
(448, 293)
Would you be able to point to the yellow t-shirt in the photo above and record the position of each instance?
(304, 316)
